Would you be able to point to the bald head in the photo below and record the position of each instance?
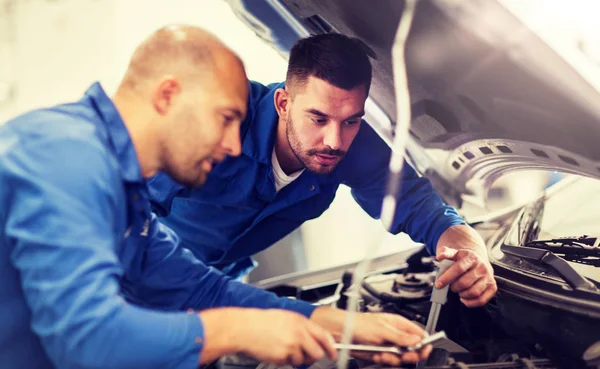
(182, 99)
(180, 51)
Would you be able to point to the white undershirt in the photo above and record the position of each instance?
(282, 179)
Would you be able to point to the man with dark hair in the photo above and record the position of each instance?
(301, 140)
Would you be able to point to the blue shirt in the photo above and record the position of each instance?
(89, 277)
(238, 213)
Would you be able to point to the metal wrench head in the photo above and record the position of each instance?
(429, 340)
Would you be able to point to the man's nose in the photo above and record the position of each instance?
(333, 136)
(231, 141)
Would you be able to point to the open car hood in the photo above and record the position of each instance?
(496, 86)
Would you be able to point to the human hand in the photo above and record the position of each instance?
(375, 329)
(274, 336)
(471, 275)
(389, 329)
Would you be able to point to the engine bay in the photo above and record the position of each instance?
(503, 334)
(475, 337)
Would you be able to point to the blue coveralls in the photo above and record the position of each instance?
(88, 277)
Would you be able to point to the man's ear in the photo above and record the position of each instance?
(165, 93)
(282, 99)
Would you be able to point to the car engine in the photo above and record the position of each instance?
(477, 338)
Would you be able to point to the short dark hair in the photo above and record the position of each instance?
(340, 60)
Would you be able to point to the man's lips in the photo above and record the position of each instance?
(208, 164)
(326, 159)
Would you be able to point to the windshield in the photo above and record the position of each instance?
(572, 212)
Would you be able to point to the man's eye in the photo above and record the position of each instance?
(227, 119)
(319, 120)
(353, 122)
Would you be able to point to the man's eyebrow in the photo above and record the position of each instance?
(356, 115)
(238, 114)
(316, 112)
(321, 114)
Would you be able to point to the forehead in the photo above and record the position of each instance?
(228, 90)
(323, 96)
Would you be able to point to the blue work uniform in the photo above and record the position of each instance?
(88, 277)
(238, 212)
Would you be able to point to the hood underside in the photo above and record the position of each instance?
(489, 94)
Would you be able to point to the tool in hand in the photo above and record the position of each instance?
(393, 349)
(438, 298)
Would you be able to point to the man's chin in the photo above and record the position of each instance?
(199, 183)
(192, 182)
(318, 168)
(321, 169)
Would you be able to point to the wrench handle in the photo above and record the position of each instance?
(439, 295)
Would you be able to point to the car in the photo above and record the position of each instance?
(496, 87)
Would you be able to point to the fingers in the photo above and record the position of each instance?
(444, 252)
(296, 357)
(390, 359)
(385, 329)
(393, 359)
(399, 337)
(387, 359)
(464, 260)
(483, 299)
(470, 276)
(322, 340)
(477, 272)
(363, 355)
(312, 350)
(410, 357)
(379, 358)
(312, 346)
(425, 352)
(473, 291)
(405, 325)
